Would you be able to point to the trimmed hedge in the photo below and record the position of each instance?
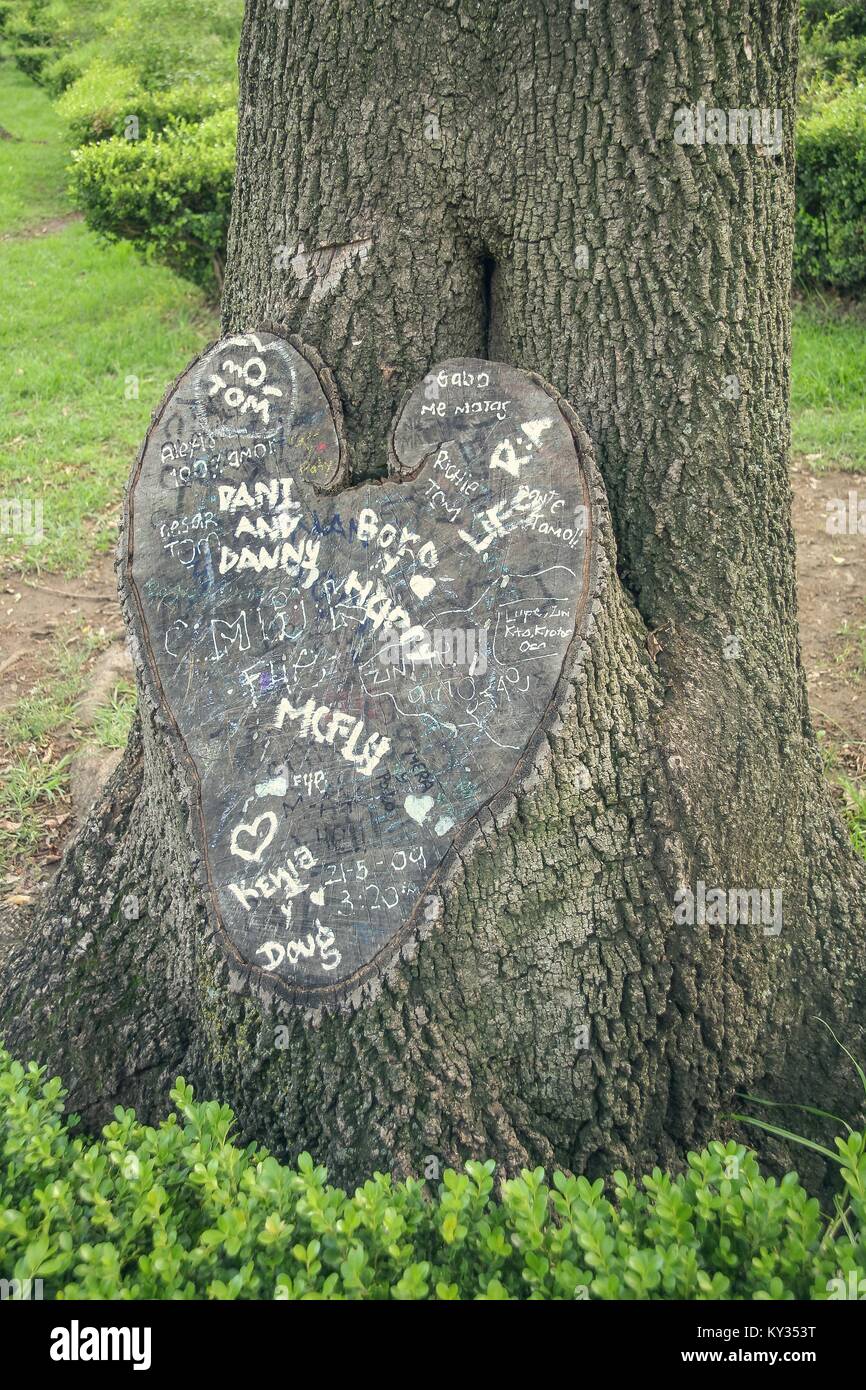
(170, 195)
(155, 83)
(30, 28)
(830, 246)
(100, 103)
(164, 42)
(180, 1211)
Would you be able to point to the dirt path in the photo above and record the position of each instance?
(47, 227)
(37, 610)
(39, 616)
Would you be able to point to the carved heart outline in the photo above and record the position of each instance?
(252, 830)
(414, 443)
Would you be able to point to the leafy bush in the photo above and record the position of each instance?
(100, 103)
(92, 103)
(61, 72)
(169, 193)
(47, 38)
(162, 41)
(169, 43)
(831, 191)
(28, 29)
(832, 40)
(830, 247)
(143, 79)
(180, 1211)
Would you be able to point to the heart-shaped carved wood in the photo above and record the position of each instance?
(349, 674)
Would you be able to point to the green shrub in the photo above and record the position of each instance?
(830, 246)
(169, 194)
(60, 73)
(164, 42)
(100, 103)
(180, 1211)
(831, 191)
(837, 62)
(32, 58)
(834, 20)
(28, 31)
(169, 43)
(155, 82)
(49, 38)
(94, 104)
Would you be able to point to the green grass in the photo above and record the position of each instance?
(113, 721)
(828, 384)
(853, 651)
(34, 729)
(854, 810)
(32, 777)
(28, 787)
(849, 787)
(91, 337)
(51, 706)
(32, 178)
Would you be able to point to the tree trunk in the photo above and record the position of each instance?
(506, 181)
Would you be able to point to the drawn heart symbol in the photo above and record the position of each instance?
(269, 819)
(350, 674)
(418, 806)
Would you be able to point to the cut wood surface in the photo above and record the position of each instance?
(349, 674)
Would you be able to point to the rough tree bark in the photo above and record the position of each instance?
(417, 182)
